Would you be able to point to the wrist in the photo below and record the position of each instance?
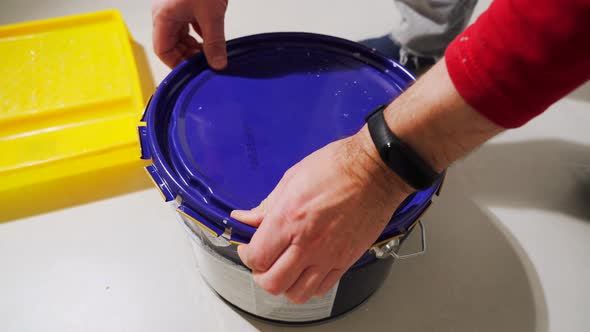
(433, 120)
(436, 122)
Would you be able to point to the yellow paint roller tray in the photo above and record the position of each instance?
(70, 98)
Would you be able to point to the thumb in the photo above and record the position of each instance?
(251, 217)
(212, 27)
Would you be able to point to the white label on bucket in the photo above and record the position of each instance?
(235, 283)
(279, 308)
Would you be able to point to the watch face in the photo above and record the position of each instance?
(386, 154)
(394, 159)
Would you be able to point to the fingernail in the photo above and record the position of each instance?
(236, 214)
(249, 217)
(218, 62)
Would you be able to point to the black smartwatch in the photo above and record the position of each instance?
(397, 155)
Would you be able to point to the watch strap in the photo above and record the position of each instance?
(399, 156)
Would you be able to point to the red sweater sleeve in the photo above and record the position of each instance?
(520, 57)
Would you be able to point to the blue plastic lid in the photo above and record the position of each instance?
(222, 140)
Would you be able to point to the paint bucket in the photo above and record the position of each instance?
(221, 141)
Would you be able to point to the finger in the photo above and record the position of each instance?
(307, 284)
(185, 51)
(188, 51)
(197, 28)
(190, 42)
(185, 46)
(213, 33)
(165, 39)
(284, 273)
(267, 244)
(329, 281)
(251, 217)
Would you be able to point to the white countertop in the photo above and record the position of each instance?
(508, 240)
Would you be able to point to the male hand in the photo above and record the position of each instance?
(326, 211)
(171, 23)
(331, 207)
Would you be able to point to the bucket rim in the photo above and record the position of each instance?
(214, 218)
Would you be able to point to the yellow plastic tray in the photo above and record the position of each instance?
(70, 99)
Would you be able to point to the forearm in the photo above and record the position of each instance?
(434, 120)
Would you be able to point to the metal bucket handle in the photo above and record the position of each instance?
(390, 247)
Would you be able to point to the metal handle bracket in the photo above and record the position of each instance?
(390, 248)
